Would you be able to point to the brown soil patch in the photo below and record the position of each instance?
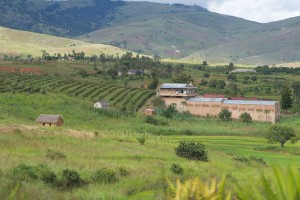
(22, 70)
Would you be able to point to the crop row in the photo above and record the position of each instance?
(121, 97)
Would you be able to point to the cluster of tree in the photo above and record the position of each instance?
(218, 69)
(269, 70)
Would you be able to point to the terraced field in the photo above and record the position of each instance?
(130, 99)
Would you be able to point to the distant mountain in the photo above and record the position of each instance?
(189, 32)
(61, 18)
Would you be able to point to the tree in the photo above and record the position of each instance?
(204, 63)
(286, 98)
(183, 103)
(221, 84)
(203, 82)
(231, 66)
(225, 115)
(183, 78)
(253, 78)
(246, 117)
(232, 77)
(281, 134)
(213, 83)
(206, 75)
(113, 73)
(153, 85)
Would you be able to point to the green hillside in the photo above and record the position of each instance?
(14, 42)
(170, 31)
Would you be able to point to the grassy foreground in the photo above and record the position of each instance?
(91, 140)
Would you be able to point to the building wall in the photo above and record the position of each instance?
(262, 113)
(206, 109)
(177, 101)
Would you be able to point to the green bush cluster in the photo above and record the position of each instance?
(192, 150)
(152, 120)
(105, 175)
(248, 160)
(55, 155)
(176, 168)
(64, 180)
(141, 140)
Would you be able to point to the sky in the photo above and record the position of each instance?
(256, 10)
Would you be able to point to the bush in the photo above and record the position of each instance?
(141, 140)
(105, 175)
(24, 172)
(55, 155)
(49, 177)
(225, 115)
(69, 178)
(192, 151)
(152, 120)
(246, 118)
(176, 169)
(123, 171)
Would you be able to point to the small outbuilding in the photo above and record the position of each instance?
(101, 105)
(50, 120)
(149, 112)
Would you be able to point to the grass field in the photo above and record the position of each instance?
(22, 43)
(91, 140)
(147, 164)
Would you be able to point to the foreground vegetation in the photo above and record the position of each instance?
(120, 153)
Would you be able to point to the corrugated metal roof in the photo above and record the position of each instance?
(206, 99)
(250, 102)
(176, 85)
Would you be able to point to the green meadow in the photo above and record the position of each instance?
(91, 140)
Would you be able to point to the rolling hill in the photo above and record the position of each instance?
(15, 42)
(180, 31)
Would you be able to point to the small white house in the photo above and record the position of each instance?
(101, 105)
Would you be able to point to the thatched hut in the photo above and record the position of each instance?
(50, 120)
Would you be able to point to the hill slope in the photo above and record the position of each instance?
(177, 30)
(14, 42)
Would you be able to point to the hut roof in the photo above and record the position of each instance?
(48, 118)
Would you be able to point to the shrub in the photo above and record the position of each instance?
(170, 111)
(206, 75)
(96, 133)
(49, 177)
(141, 140)
(105, 175)
(246, 118)
(241, 159)
(225, 115)
(258, 160)
(176, 169)
(55, 155)
(151, 120)
(191, 150)
(69, 178)
(123, 171)
(24, 172)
